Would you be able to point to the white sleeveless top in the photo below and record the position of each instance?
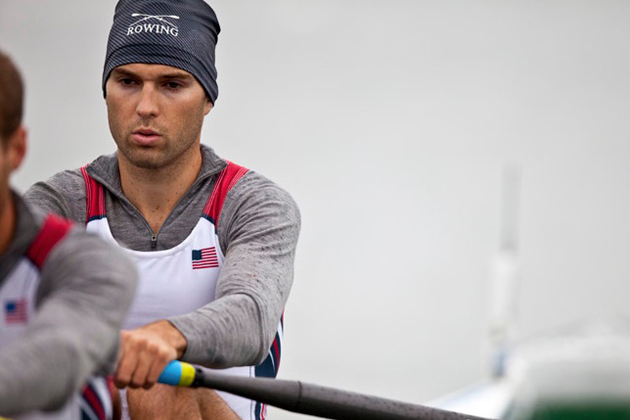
(17, 295)
(182, 279)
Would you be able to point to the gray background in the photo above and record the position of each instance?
(390, 123)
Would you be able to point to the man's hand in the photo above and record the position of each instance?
(145, 352)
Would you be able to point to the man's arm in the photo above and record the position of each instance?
(85, 291)
(258, 229)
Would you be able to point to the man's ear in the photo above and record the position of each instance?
(208, 107)
(17, 148)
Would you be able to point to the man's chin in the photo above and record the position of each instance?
(147, 164)
(143, 160)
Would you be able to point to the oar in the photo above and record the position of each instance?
(305, 398)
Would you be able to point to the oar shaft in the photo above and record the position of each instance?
(308, 399)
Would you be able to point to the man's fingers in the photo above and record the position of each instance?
(139, 376)
(143, 357)
(126, 367)
(150, 366)
(156, 370)
(127, 360)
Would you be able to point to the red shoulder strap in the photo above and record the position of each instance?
(94, 196)
(52, 231)
(227, 179)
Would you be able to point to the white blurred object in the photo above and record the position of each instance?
(505, 275)
(579, 371)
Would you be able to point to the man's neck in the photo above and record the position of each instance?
(155, 192)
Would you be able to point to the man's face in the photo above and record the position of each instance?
(155, 114)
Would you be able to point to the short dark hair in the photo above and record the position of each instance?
(11, 97)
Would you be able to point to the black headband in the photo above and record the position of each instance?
(177, 33)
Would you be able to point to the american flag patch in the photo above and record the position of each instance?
(15, 311)
(205, 258)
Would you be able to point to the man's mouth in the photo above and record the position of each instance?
(145, 136)
(146, 132)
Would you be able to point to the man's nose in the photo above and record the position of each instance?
(147, 103)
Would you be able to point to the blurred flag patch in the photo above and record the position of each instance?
(15, 311)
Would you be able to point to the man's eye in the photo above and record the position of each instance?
(126, 81)
(173, 85)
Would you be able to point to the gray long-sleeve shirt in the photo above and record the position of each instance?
(258, 230)
(86, 287)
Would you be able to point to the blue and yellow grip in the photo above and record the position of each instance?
(178, 373)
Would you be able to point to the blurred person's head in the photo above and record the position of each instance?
(11, 98)
(12, 140)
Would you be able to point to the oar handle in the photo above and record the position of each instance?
(179, 374)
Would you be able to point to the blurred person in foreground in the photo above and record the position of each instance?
(63, 294)
(214, 242)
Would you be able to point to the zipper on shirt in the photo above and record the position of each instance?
(153, 242)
